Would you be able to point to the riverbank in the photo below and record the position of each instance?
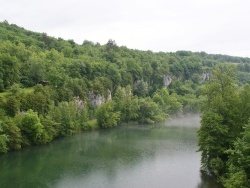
(159, 155)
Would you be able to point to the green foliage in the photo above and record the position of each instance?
(9, 71)
(12, 106)
(31, 128)
(149, 111)
(212, 138)
(168, 103)
(141, 88)
(13, 133)
(68, 115)
(33, 72)
(126, 104)
(244, 105)
(3, 143)
(239, 161)
(3, 140)
(191, 103)
(91, 125)
(51, 128)
(45, 86)
(223, 119)
(114, 74)
(106, 115)
(217, 166)
(238, 179)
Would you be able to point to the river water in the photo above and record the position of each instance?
(141, 156)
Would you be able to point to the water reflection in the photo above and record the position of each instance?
(207, 181)
(134, 156)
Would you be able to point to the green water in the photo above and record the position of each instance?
(162, 155)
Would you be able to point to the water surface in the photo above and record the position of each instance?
(143, 156)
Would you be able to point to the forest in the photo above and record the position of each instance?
(52, 88)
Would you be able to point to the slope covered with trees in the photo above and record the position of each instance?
(51, 87)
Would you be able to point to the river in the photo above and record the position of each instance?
(142, 156)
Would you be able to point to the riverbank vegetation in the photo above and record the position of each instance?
(224, 135)
(51, 87)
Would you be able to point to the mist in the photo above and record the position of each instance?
(189, 120)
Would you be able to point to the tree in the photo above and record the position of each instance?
(12, 105)
(213, 142)
(9, 70)
(134, 69)
(33, 72)
(3, 141)
(147, 72)
(13, 134)
(113, 74)
(67, 51)
(244, 106)
(130, 110)
(168, 103)
(149, 111)
(126, 104)
(141, 88)
(106, 115)
(31, 128)
(239, 162)
(111, 45)
(220, 123)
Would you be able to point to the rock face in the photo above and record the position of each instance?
(97, 99)
(166, 80)
(205, 76)
(78, 102)
(109, 95)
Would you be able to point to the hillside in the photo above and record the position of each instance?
(76, 87)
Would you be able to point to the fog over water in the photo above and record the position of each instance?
(188, 120)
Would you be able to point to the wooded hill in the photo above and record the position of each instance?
(53, 87)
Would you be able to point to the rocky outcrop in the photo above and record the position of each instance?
(109, 97)
(98, 99)
(205, 76)
(78, 102)
(166, 80)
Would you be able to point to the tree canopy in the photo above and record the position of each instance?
(223, 135)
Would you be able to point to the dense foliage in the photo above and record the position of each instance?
(224, 133)
(51, 87)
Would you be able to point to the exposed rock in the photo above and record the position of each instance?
(166, 80)
(97, 99)
(109, 96)
(78, 102)
(205, 76)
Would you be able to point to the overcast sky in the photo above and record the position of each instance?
(213, 26)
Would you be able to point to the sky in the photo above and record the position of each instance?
(213, 26)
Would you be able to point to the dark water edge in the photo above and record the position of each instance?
(208, 181)
(162, 155)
